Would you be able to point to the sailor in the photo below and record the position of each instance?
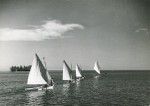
(52, 82)
(45, 86)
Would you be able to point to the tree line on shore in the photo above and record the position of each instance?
(20, 68)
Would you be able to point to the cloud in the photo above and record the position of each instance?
(51, 29)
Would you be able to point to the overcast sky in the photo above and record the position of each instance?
(114, 32)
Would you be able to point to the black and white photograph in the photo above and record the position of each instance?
(74, 52)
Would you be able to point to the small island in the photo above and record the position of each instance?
(20, 68)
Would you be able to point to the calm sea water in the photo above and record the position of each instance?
(110, 89)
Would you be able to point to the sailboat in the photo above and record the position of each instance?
(39, 75)
(78, 73)
(97, 67)
(67, 73)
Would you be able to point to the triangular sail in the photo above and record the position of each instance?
(78, 71)
(38, 74)
(66, 72)
(47, 74)
(97, 67)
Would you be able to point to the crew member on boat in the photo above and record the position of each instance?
(50, 84)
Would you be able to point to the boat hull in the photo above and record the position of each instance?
(69, 81)
(46, 88)
(40, 88)
(80, 78)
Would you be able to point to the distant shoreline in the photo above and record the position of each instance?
(27, 68)
(20, 68)
(105, 70)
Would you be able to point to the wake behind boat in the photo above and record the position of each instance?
(39, 76)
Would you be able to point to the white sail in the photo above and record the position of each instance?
(66, 72)
(38, 74)
(78, 71)
(97, 67)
